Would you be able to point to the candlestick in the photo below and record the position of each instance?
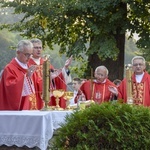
(91, 85)
(46, 82)
(129, 84)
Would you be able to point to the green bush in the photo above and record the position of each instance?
(109, 126)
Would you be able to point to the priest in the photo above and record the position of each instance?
(17, 90)
(59, 77)
(100, 89)
(140, 83)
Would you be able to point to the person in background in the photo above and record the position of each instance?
(83, 80)
(59, 77)
(16, 85)
(76, 83)
(140, 83)
(101, 89)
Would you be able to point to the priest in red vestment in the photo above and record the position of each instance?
(140, 83)
(101, 89)
(16, 85)
(59, 77)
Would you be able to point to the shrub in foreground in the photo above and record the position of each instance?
(109, 126)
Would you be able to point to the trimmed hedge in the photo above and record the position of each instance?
(109, 126)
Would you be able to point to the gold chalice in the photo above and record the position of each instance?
(67, 96)
(57, 94)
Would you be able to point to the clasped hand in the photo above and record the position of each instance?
(113, 90)
(31, 70)
(55, 74)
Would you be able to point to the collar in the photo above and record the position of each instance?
(24, 66)
(36, 60)
(99, 82)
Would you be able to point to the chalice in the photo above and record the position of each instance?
(57, 94)
(67, 96)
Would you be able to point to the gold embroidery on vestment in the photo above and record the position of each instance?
(32, 99)
(39, 71)
(138, 93)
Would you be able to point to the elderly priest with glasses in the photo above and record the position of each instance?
(16, 85)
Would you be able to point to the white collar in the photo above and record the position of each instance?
(99, 82)
(24, 66)
(139, 77)
(36, 60)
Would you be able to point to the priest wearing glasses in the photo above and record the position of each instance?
(17, 90)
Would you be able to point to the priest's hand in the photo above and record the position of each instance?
(68, 62)
(31, 70)
(56, 73)
(113, 90)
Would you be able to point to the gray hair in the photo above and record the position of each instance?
(102, 67)
(138, 57)
(36, 41)
(22, 44)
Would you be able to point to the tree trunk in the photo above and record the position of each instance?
(116, 68)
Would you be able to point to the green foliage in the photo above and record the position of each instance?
(7, 47)
(139, 16)
(108, 126)
(131, 50)
(72, 24)
(79, 67)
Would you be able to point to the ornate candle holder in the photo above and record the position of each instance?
(67, 96)
(57, 94)
(129, 83)
(130, 100)
(46, 83)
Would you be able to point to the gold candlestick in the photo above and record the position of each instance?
(91, 85)
(46, 82)
(129, 84)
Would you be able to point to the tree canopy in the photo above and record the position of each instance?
(86, 27)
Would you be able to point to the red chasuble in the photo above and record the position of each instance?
(11, 86)
(98, 92)
(57, 83)
(140, 91)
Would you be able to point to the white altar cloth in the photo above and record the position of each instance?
(58, 117)
(29, 128)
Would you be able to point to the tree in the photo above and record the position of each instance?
(93, 28)
(7, 40)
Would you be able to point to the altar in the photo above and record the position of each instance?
(29, 128)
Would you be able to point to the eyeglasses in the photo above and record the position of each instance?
(37, 47)
(135, 65)
(26, 54)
